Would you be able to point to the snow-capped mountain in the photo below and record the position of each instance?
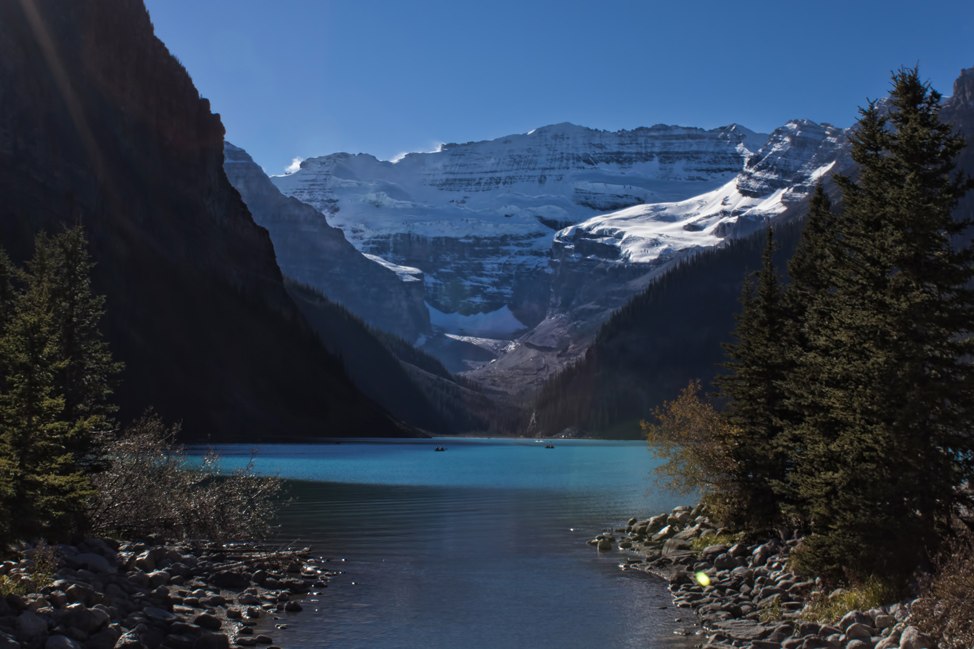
(779, 174)
(313, 252)
(538, 237)
(478, 218)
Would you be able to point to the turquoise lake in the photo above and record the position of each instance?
(481, 546)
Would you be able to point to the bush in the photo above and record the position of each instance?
(701, 543)
(693, 439)
(150, 487)
(946, 610)
(39, 572)
(829, 608)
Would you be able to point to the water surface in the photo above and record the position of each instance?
(479, 546)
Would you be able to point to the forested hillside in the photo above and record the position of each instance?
(651, 348)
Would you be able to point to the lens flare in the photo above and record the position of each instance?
(702, 578)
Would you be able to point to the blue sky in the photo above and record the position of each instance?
(301, 78)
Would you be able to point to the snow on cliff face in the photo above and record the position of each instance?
(313, 252)
(479, 218)
(782, 173)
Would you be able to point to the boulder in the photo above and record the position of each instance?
(61, 642)
(738, 550)
(145, 562)
(858, 631)
(104, 639)
(854, 617)
(129, 641)
(815, 642)
(207, 621)
(212, 641)
(724, 562)
(158, 578)
(159, 614)
(665, 533)
(913, 638)
(31, 625)
(676, 546)
(78, 593)
(96, 563)
(656, 523)
(883, 621)
(231, 580)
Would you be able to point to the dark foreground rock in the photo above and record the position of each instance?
(743, 594)
(110, 595)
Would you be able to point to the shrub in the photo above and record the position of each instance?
(150, 487)
(693, 439)
(39, 573)
(946, 609)
(701, 543)
(829, 608)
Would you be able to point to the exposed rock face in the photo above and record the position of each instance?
(564, 224)
(600, 264)
(958, 109)
(478, 218)
(791, 157)
(100, 125)
(310, 251)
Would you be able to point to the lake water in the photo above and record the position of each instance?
(481, 546)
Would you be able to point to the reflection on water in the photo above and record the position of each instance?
(487, 550)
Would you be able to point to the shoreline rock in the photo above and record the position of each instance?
(743, 595)
(107, 594)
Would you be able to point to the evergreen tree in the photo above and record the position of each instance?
(46, 489)
(807, 302)
(87, 379)
(883, 385)
(758, 363)
(55, 379)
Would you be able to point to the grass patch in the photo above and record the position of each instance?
(773, 613)
(946, 610)
(828, 608)
(699, 544)
(38, 576)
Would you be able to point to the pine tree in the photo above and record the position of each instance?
(758, 363)
(55, 379)
(46, 488)
(88, 377)
(883, 384)
(807, 302)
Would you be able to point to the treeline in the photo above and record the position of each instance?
(66, 467)
(850, 390)
(55, 378)
(648, 350)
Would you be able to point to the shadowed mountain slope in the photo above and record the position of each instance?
(100, 125)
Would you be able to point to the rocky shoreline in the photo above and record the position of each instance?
(743, 594)
(106, 594)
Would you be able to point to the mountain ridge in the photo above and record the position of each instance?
(101, 126)
(560, 225)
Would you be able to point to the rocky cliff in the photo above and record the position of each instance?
(100, 125)
(312, 252)
(478, 218)
(958, 109)
(560, 226)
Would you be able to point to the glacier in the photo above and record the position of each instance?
(544, 234)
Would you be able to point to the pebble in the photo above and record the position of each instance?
(108, 594)
(750, 600)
